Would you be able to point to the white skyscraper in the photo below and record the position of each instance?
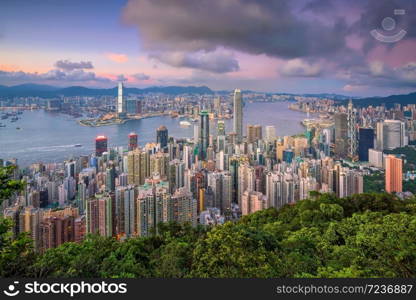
(121, 104)
(390, 134)
(238, 115)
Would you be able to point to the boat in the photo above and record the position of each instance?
(2, 125)
(184, 123)
(14, 119)
(18, 128)
(77, 145)
(4, 117)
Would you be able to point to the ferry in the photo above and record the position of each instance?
(184, 123)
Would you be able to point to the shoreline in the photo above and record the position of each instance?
(91, 122)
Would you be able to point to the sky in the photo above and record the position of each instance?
(357, 48)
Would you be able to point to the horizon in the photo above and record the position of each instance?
(295, 47)
(202, 86)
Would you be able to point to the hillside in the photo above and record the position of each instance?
(387, 101)
(367, 235)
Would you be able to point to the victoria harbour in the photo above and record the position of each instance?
(51, 137)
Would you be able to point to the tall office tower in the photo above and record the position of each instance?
(254, 133)
(270, 133)
(162, 137)
(365, 142)
(390, 134)
(238, 115)
(394, 174)
(121, 103)
(217, 106)
(138, 166)
(341, 134)
(203, 134)
(352, 132)
(100, 145)
(132, 141)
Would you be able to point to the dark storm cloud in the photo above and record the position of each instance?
(319, 6)
(255, 27)
(70, 66)
(373, 14)
(216, 62)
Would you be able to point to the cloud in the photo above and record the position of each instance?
(117, 57)
(52, 75)
(377, 68)
(141, 76)
(255, 27)
(70, 66)
(300, 68)
(350, 88)
(217, 62)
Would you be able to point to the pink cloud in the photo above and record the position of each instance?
(117, 57)
(397, 56)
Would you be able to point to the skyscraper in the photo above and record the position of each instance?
(100, 145)
(238, 115)
(162, 137)
(270, 133)
(390, 134)
(254, 133)
(366, 142)
(352, 132)
(121, 103)
(132, 141)
(394, 174)
(204, 134)
(341, 134)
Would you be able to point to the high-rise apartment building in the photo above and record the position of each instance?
(394, 174)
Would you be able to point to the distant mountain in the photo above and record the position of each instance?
(330, 96)
(47, 91)
(388, 101)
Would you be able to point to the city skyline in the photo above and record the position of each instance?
(309, 46)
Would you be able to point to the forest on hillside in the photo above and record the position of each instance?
(366, 235)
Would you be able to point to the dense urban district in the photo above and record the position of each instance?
(337, 200)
